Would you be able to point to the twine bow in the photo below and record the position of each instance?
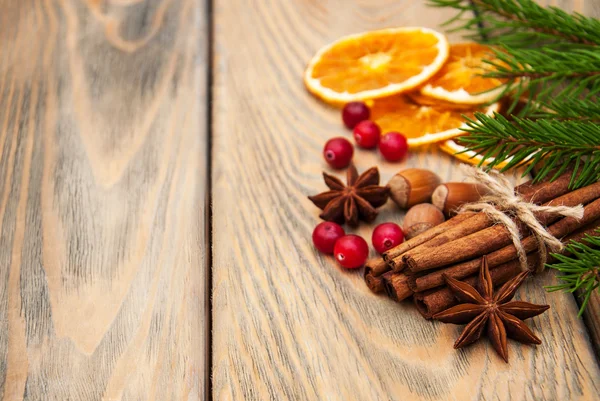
(502, 203)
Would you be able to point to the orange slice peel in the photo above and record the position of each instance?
(376, 64)
(458, 151)
(460, 80)
(422, 124)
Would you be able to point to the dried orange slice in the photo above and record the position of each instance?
(422, 124)
(375, 64)
(459, 151)
(459, 80)
(418, 98)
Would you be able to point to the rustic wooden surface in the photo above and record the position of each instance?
(103, 245)
(591, 315)
(289, 324)
(102, 177)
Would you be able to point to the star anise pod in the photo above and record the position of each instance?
(352, 202)
(484, 309)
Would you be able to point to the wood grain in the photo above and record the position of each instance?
(591, 316)
(102, 192)
(288, 323)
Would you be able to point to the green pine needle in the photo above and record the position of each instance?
(520, 23)
(548, 75)
(580, 270)
(547, 143)
(584, 110)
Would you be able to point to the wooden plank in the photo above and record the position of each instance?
(102, 191)
(591, 315)
(288, 323)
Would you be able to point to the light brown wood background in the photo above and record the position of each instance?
(102, 177)
(288, 323)
(103, 243)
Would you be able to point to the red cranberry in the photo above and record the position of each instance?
(386, 236)
(393, 146)
(325, 235)
(367, 134)
(351, 251)
(355, 112)
(338, 152)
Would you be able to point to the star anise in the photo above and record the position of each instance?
(482, 308)
(352, 202)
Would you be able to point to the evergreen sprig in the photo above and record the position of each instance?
(546, 143)
(520, 23)
(580, 269)
(546, 74)
(573, 109)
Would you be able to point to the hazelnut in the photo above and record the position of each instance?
(450, 196)
(420, 218)
(413, 186)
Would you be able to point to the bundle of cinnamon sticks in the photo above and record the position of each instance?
(416, 268)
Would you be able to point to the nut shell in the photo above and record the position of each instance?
(450, 196)
(413, 186)
(421, 218)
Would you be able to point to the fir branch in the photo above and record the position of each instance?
(546, 73)
(570, 109)
(544, 63)
(547, 143)
(580, 268)
(521, 23)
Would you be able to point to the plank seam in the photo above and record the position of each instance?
(209, 197)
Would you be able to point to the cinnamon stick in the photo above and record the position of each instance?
(465, 269)
(579, 235)
(375, 283)
(478, 222)
(396, 285)
(496, 237)
(398, 250)
(535, 193)
(434, 301)
(544, 191)
(431, 302)
(376, 267)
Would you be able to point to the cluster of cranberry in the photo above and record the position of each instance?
(351, 251)
(338, 151)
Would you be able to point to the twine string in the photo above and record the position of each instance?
(506, 207)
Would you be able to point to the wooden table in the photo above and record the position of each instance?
(121, 121)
